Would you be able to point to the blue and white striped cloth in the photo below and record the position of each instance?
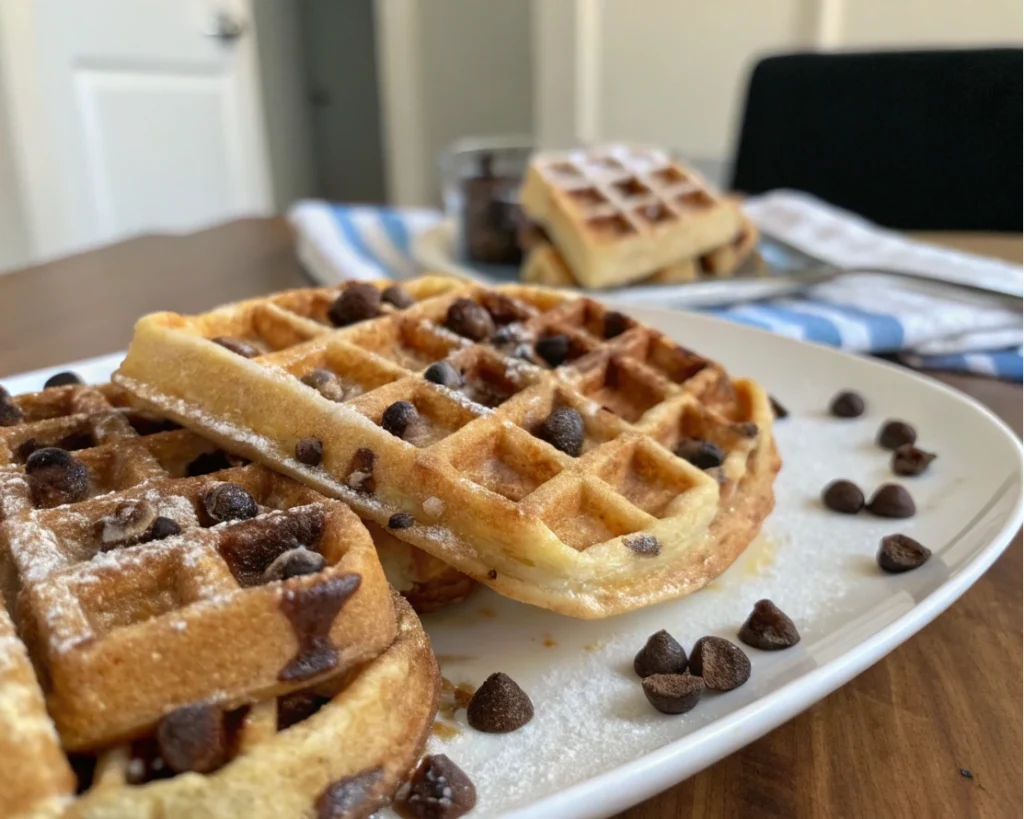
(858, 312)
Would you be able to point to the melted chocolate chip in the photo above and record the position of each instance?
(10, 414)
(207, 463)
(908, 460)
(444, 374)
(469, 319)
(397, 297)
(326, 383)
(309, 451)
(563, 429)
(847, 405)
(769, 628)
(193, 738)
(397, 417)
(722, 664)
(250, 547)
(56, 477)
(899, 553)
(673, 693)
(350, 796)
(778, 410)
(616, 323)
(844, 497)
(439, 789)
(360, 473)
(702, 454)
(499, 706)
(237, 346)
(892, 501)
(661, 654)
(643, 544)
(401, 520)
(229, 501)
(64, 379)
(553, 349)
(130, 524)
(895, 434)
(295, 562)
(357, 302)
(294, 708)
(312, 611)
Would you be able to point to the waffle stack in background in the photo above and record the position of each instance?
(616, 215)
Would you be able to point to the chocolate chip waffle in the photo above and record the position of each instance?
(619, 213)
(539, 458)
(138, 589)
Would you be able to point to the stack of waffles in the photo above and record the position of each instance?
(611, 216)
(186, 634)
(562, 454)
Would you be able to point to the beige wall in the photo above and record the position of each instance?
(14, 243)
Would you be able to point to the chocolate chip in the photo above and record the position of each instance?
(164, 528)
(894, 434)
(401, 520)
(309, 451)
(769, 628)
(326, 383)
(351, 796)
(673, 693)
(563, 429)
(193, 738)
(616, 323)
(910, 461)
(56, 477)
(130, 524)
(661, 654)
(553, 349)
(64, 379)
(360, 473)
(249, 547)
(237, 346)
(357, 302)
(899, 553)
(492, 575)
(444, 374)
(702, 454)
(722, 664)
(843, 496)
(10, 414)
(439, 789)
(397, 297)
(311, 611)
(892, 501)
(469, 319)
(847, 405)
(397, 417)
(294, 563)
(644, 544)
(229, 501)
(499, 706)
(778, 410)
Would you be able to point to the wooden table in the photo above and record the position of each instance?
(934, 729)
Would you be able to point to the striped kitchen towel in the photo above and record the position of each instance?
(860, 312)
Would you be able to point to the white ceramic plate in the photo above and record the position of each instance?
(595, 746)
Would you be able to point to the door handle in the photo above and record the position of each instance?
(225, 27)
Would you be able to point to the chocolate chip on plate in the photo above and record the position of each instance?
(769, 628)
(721, 663)
(778, 410)
(401, 520)
(616, 323)
(163, 528)
(326, 383)
(397, 418)
(910, 461)
(309, 451)
(237, 346)
(661, 654)
(229, 501)
(294, 563)
(899, 553)
(468, 319)
(193, 738)
(563, 429)
(357, 302)
(499, 706)
(397, 297)
(894, 434)
(892, 501)
(553, 349)
(56, 477)
(843, 496)
(444, 374)
(439, 789)
(64, 379)
(673, 693)
(130, 524)
(702, 454)
(847, 405)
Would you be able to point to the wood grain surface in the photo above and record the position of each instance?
(932, 730)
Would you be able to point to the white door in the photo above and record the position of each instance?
(133, 115)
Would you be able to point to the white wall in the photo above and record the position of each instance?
(14, 242)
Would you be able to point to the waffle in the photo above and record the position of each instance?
(625, 524)
(619, 214)
(124, 624)
(336, 750)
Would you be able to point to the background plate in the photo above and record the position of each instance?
(595, 746)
